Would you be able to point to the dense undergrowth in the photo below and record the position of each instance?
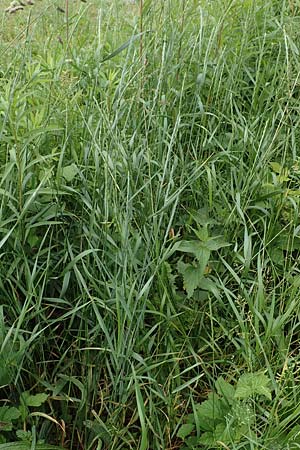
(149, 225)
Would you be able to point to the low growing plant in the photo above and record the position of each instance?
(228, 415)
(193, 266)
(241, 416)
(13, 418)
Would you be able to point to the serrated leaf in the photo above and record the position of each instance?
(225, 389)
(192, 276)
(210, 412)
(195, 248)
(222, 433)
(33, 400)
(201, 250)
(251, 384)
(191, 443)
(207, 439)
(23, 435)
(202, 234)
(185, 430)
(201, 217)
(70, 172)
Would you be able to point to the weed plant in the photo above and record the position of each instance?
(149, 224)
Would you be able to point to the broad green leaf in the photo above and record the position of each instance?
(185, 430)
(201, 217)
(6, 426)
(225, 389)
(277, 256)
(34, 133)
(202, 249)
(70, 172)
(202, 234)
(276, 167)
(33, 400)
(206, 284)
(23, 435)
(192, 276)
(191, 443)
(8, 413)
(215, 243)
(195, 248)
(207, 439)
(209, 412)
(222, 433)
(251, 384)
(295, 281)
(286, 242)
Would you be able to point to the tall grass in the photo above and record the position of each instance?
(105, 167)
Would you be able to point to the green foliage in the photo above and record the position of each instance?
(7, 416)
(27, 400)
(12, 417)
(28, 446)
(253, 384)
(228, 414)
(70, 172)
(193, 273)
(149, 224)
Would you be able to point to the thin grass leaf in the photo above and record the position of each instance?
(124, 46)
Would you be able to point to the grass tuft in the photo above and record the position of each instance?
(149, 224)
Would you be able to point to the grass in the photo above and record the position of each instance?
(149, 221)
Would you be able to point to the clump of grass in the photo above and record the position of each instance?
(111, 173)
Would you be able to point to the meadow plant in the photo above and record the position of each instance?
(149, 225)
